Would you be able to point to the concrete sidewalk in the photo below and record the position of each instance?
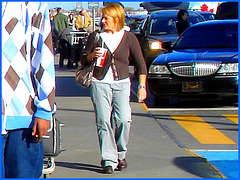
(151, 152)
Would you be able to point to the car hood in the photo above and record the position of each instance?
(172, 38)
(221, 55)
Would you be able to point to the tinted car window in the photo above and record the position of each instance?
(167, 25)
(145, 22)
(135, 24)
(207, 37)
(162, 26)
(194, 20)
(208, 16)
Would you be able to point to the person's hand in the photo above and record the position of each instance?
(98, 52)
(40, 128)
(95, 54)
(142, 91)
(141, 94)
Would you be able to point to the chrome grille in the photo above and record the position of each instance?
(194, 68)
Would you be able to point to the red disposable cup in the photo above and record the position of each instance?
(101, 59)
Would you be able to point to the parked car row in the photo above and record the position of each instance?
(158, 27)
(202, 62)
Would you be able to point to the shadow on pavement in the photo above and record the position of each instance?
(196, 166)
(66, 86)
(80, 166)
(76, 110)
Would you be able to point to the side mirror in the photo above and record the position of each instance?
(167, 45)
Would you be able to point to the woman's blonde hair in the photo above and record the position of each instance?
(117, 12)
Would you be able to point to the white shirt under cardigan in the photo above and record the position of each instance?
(112, 41)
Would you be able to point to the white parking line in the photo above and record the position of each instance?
(211, 150)
(194, 109)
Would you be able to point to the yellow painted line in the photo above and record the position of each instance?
(201, 130)
(145, 107)
(232, 117)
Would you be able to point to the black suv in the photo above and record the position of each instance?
(158, 27)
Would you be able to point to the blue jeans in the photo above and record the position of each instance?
(113, 119)
(23, 157)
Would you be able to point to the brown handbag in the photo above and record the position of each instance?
(84, 73)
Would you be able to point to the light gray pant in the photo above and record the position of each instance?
(113, 119)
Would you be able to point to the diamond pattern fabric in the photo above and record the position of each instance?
(28, 74)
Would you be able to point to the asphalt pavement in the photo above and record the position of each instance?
(151, 151)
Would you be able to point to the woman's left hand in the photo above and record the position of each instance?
(141, 94)
(142, 91)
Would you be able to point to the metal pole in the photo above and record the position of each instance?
(93, 12)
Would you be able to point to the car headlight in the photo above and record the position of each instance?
(158, 69)
(229, 69)
(155, 45)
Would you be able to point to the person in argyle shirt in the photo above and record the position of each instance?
(28, 87)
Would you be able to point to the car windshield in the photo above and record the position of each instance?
(134, 24)
(209, 37)
(208, 16)
(163, 26)
(167, 25)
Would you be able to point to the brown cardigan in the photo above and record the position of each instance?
(128, 47)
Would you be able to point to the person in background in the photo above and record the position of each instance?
(51, 15)
(71, 20)
(54, 32)
(60, 20)
(84, 21)
(110, 88)
(182, 23)
(28, 78)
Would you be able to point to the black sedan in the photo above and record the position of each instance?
(203, 62)
(158, 27)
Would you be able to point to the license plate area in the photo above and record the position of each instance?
(192, 86)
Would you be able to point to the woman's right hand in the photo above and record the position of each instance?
(98, 53)
(95, 54)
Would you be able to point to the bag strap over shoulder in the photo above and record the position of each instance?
(96, 39)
